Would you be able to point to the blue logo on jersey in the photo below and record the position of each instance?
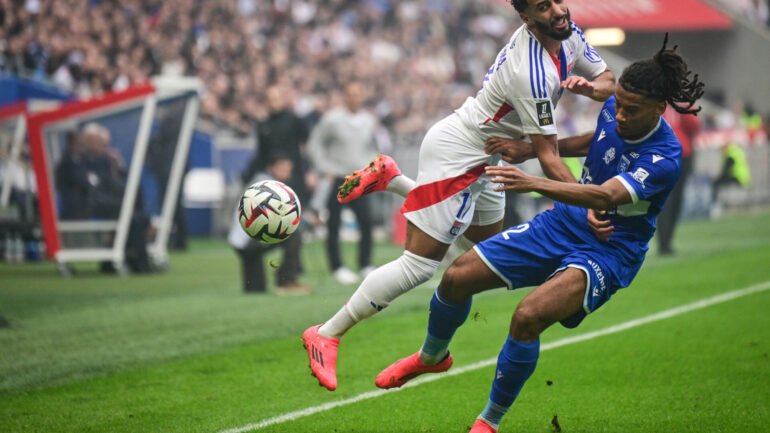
(591, 55)
(623, 164)
(455, 228)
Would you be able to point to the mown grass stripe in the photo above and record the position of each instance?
(666, 314)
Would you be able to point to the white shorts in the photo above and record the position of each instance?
(452, 192)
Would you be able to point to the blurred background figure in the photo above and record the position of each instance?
(281, 133)
(734, 178)
(341, 143)
(72, 180)
(106, 175)
(686, 127)
(252, 253)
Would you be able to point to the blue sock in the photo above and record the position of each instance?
(515, 364)
(445, 318)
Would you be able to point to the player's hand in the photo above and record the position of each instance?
(578, 85)
(599, 225)
(510, 178)
(512, 151)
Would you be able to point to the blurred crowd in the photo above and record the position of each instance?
(309, 49)
(239, 47)
(757, 11)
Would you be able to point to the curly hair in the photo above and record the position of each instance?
(666, 77)
(519, 5)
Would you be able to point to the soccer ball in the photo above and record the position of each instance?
(269, 211)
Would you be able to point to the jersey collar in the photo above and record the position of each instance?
(649, 134)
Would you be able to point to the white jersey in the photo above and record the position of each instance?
(523, 86)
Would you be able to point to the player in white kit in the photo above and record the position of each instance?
(450, 198)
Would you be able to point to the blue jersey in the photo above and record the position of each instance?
(649, 169)
(530, 253)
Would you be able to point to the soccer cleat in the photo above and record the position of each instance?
(322, 353)
(372, 178)
(480, 426)
(406, 369)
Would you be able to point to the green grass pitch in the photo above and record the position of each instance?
(187, 351)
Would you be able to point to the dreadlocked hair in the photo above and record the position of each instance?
(666, 77)
(519, 5)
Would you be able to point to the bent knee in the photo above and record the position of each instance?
(527, 323)
(453, 286)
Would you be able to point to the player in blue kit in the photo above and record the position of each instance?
(632, 164)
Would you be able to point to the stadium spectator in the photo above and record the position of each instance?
(735, 172)
(72, 183)
(251, 252)
(342, 141)
(308, 48)
(686, 127)
(282, 132)
(106, 176)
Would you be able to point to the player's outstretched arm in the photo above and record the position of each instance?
(516, 151)
(547, 150)
(599, 89)
(605, 196)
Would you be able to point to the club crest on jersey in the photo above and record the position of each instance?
(544, 115)
(607, 116)
(623, 164)
(640, 175)
(609, 155)
(456, 228)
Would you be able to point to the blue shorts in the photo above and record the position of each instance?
(530, 253)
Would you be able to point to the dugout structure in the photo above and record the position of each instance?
(150, 128)
(13, 129)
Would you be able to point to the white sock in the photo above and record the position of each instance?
(400, 185)
(378, 290)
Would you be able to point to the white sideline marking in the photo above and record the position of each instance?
(697, 305)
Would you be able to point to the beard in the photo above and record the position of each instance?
(551, 31)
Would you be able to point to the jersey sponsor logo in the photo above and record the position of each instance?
(633, 209)
(607, 116)
(640, 175)
(544, 115)
(609, 155)
(623, 164)
(601, 137)
(656, 158)
(591, 55)
(599, 276)
(586, 178)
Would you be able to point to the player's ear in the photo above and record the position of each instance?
(524, 17)
(660, 108)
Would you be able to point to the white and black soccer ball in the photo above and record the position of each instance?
(269, 211)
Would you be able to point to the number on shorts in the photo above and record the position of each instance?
(518, 229)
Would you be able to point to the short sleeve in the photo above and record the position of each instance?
(649, 175)
(588, 63)
(536, 116)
